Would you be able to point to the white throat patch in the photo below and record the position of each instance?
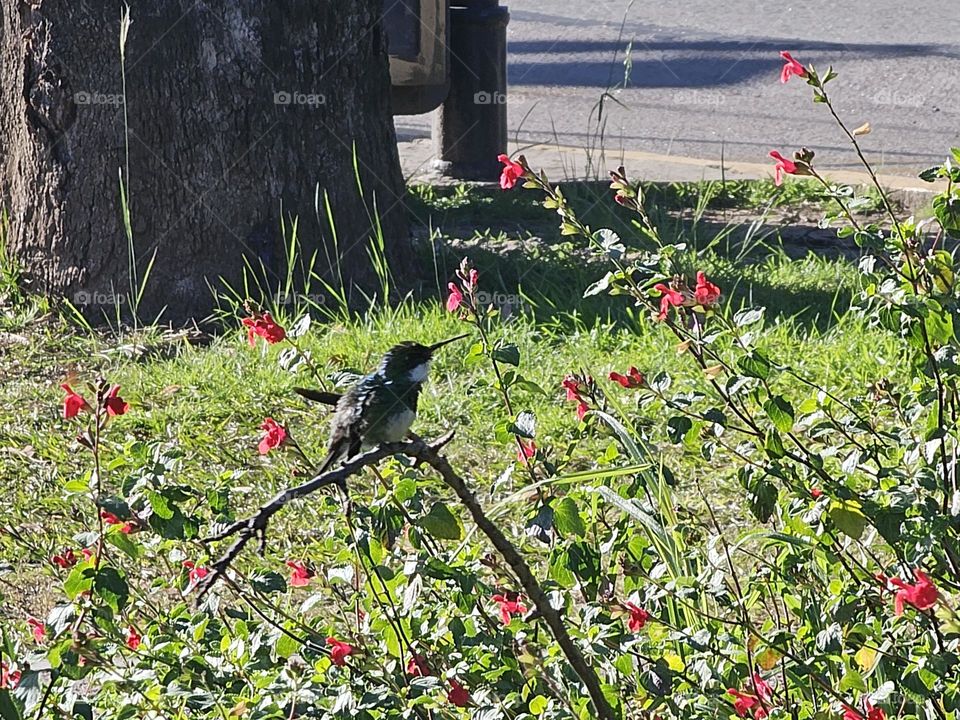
(420, 372)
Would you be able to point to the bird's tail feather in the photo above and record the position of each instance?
(320, 396)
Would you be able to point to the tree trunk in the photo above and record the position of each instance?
(240, 114)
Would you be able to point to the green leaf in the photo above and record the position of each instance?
(538, 705)
(8, 711)
(509, 354)
(286, 646)
(79, 581)
(441, 523)
(755, 365)
(268, 582)
(781, 412)
(112, 588)
(848, 518)
(566, 518)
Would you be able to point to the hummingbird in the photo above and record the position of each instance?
(382, 406)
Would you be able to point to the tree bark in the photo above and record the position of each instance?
(238, 115)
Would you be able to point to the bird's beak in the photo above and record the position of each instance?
(437, 346)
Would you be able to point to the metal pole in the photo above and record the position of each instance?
(470, 128)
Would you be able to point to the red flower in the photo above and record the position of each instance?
(417, 666)
(509, 605)
(742, 702)
(133, 638)
(706, 293)
(38, 628)
(9, 679)
(633, 379)
(73, 404)
(873, 713)
(109, 518)
(572, 386)
(791, 68)
(763, 690)
(197, 572)
(512, 172)
(783, 166)
(582, 409)
(638, 617)
(275, 437)
(263, 326)
(300, 575)
(114, 403)
(67, 559)
(339, 651)
(816, 493)
(456, 297)
(671, 298)
(923, 595)
(458, 694)
(526, 450)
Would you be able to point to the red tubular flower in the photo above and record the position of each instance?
(73, 404)
(38, 628)
(742, 702)
(872, 713)
(633, 379)
(791, 67)
(582, 410)
(9, 679)
(923, 595)
(816, 493)
(509, 605)
(458, 694)
(526, 450)
(114, 403)
(300, 574)
(66, 560)
(512, 172)
(275, 437)
(417, 666)
(263, 326)
(671, 298)
(133, 638)
(706, 293)
(638, 617)
(109, 518)
(455, 299)
(196, 572)
(572, 386)
(783, 166)
(339, 651)
(763, 690)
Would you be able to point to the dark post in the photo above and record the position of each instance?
(470, 128)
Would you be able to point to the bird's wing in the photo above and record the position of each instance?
(320, 396)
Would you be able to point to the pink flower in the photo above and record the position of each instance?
(300, 574)
(458, 694)
(114, 403)
(638, 617)
(574, 388)
(791, 67)
(38, 628)
(671, 298)
(196, 572)
(582, 410)
(275, 437)
(526, 450)
(339, 651)
(263, 326)
(783, 166)
(133, 638)
(509, 605)
(67, 559)
(706, 293)
(455, 299)
(9, 679)
(474, 277)
(73, 404)
(923, 595)
(512, 172)
(816, 493)
(417, 666)
(633, 379)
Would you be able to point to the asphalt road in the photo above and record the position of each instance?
(703, 78)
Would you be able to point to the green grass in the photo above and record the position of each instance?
(207, 400)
